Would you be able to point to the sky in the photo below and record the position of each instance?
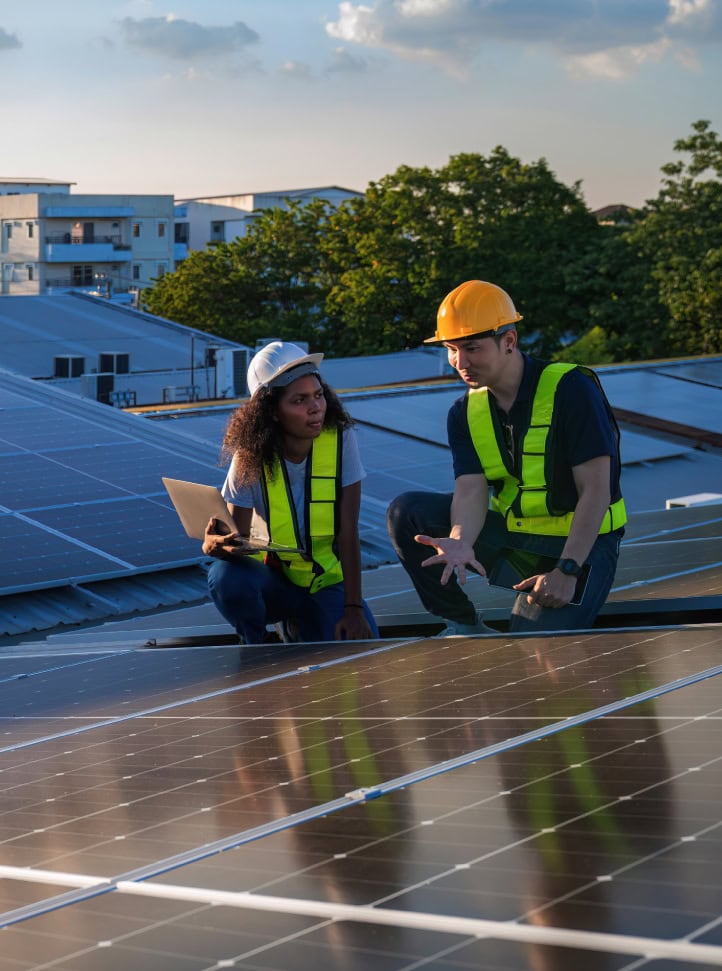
(216, 97)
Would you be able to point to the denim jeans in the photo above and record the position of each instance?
(251, 595)
(429, 512)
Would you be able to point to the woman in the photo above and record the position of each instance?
(296, 467)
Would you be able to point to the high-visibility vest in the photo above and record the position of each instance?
(319, 566)
(525, 502)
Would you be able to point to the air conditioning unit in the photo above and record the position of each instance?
(97, 386)
(114, 362)
(68, 366)
(231, 365)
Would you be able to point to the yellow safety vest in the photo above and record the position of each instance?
(319, 566)
(525, 503)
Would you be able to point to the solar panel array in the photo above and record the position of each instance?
(81, 496)
(502, 803)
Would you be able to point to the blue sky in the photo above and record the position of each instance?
(208, 97)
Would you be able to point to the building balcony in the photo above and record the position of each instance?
(63, 248)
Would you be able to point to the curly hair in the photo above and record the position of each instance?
(255, 440)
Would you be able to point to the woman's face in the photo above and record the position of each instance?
(302, 408)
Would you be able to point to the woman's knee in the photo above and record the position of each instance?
(228, 582)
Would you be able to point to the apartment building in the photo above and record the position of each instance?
(220, 219)
(53, 241)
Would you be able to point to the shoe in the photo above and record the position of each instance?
(287, 631)
(456, 629)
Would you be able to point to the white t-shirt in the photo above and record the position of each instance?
(251, 496)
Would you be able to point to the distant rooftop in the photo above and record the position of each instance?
(273, 192)
(23, 180)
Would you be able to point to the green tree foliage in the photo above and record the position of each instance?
(684, 232)
(270, 283)
(655, 276)
(368, 276)
(421, 232)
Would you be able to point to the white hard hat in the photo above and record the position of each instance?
(278, 364)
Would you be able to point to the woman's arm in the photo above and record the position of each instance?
(353, 626)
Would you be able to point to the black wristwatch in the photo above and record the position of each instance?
(569, 568)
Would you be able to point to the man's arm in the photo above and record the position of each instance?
(468, 515)
(592, 482)
(555, 589)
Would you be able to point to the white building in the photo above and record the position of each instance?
(220, 219)
(52, 241)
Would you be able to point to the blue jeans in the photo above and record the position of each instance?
(251, 595)
(429, 512)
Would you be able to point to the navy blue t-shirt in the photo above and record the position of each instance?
(583, 428)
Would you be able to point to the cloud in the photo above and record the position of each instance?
(296, 71)
(695, 20)
(344, 62)
(8, 42)
(604, 37)
(183, 40)
(619, 62)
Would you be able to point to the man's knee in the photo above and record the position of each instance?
(417, 512)
(399, 513)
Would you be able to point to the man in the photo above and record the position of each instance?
(541, 441)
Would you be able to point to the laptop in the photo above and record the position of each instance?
(196, 503)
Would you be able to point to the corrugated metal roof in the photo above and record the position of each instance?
(81, 604)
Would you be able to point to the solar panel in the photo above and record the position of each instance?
(81, 497)
(679, 402)
(491, 802)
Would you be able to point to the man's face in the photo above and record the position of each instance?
(477, 359)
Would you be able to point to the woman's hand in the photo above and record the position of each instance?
(353, 626)
(220, 541)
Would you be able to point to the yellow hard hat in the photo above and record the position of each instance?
(474, 307)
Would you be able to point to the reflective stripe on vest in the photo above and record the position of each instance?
(525, 504)
(319, 567)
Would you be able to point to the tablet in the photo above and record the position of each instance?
(196, 503)
(512, 566)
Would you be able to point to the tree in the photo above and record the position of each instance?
(681, 236)
(368, 276)
(270, 283)
(419, 233)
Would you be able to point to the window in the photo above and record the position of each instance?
(31, 230)
(9, 230)
(161, 230)
(31, 271)
(136, 272)
(82, 276)
(161, 270)
(136, 230)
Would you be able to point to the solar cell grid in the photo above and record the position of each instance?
(32, 481)
(50, 429)
(141, 532)
(35, 557)
(242, 743)
(612, 862)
